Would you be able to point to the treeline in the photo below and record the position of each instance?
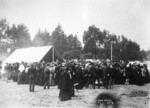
(97, 43)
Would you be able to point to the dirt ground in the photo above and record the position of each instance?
(13, 95)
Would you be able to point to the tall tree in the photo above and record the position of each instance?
(5, 42)
(23, 36)
(93, 40)
(90, 47)
(111, 40)
(3, 28)
(93, 32)
(132, 50)
(99, 43)
(73, 43)
(148, 55)
(42, 38)
(59, 40)
(142, 55)
(20, 35)
(13, 33)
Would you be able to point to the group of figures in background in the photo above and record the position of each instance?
(76, 75)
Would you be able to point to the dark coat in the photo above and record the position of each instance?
(58, 73)
(106, 71)
(46, 74)
(32, 72)
(65, 87)
(64, 82)
(19, 80)
(98, 73)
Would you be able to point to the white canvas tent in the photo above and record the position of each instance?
(33, 54)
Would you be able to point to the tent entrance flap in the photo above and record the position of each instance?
(52, 55)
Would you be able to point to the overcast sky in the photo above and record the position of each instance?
(130, 18)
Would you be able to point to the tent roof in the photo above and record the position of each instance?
(32, 54)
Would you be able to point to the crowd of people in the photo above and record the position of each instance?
(76, 75)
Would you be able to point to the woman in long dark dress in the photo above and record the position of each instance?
(64, 85)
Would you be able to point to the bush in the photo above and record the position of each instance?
(73, 54)
(87, 56)
(67, 55)
(138, 93)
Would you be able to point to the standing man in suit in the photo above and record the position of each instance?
(46, 76)
(32, 77)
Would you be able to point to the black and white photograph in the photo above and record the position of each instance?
(74, 53)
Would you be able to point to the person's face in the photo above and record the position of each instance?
(64, 67)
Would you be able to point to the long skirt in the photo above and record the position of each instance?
(23, 75)
(26, 78)
(64, 95)
(15, 75)
(19, 80)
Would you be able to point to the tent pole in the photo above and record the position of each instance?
(53, 53)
